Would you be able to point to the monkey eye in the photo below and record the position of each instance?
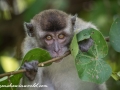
(61, 36)
(49, 37)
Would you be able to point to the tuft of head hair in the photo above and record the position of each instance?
(51, 20)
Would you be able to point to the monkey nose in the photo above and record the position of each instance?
(56, 51)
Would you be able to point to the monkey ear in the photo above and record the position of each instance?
(29, 29)
(73, 19)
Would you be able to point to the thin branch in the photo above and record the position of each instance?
(107, 39)
(54, 59)
(39, 65)
(9, 82)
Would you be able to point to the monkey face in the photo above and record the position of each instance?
(57, 43)
(53, 31)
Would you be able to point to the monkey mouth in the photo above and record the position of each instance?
(55, 55)
(58, 54)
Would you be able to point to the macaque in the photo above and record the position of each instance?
(53, 31)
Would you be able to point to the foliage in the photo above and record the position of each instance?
(36, 7)
(101, 12)
(90, 65)
(34, 54)
(37, 54)
(114, 34)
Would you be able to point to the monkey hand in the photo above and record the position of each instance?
(84, 45)
(31, 69)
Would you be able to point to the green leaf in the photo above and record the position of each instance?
(116, 75)
(37, 54)
(92, 69)
(90, 65)
(102, 48)
(84, 35)
(97, 38)
(115, 35)
(74, 47)
(34, 54)
(13, 79)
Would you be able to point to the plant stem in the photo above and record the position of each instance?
(39, 65)
(107, 39)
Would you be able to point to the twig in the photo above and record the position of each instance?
(39, 65)
(54, 59)
(9, 82)
(107, 39)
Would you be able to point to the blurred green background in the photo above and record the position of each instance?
(14, 12)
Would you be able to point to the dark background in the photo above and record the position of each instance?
(14, 12)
